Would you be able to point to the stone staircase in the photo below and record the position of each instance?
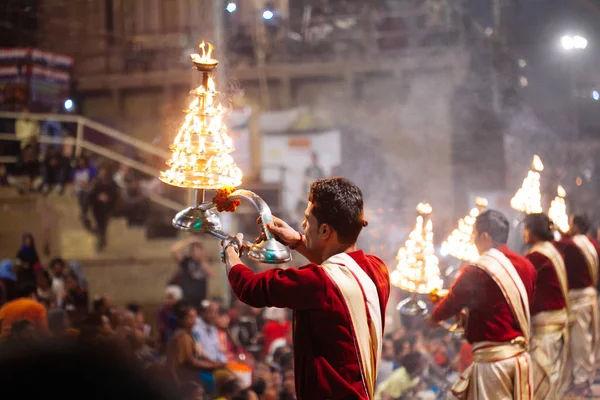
(131, 268)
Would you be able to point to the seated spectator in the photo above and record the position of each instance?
(58, 322)
(75, 300)
(226, 385)
(403, 380)
(173, 294)
(139, 319)
(183, 359)
(22, 334)
(45, 293)
(54, 171)
(387, 363)
(191, 391)
(27, 252)
(28, 169)
(206, 334)
(58, 269)
(8, 281)
(277, 329)
(4, 179)
(25, 306)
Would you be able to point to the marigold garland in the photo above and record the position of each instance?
(221, 200)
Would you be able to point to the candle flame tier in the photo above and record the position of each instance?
(417, 270)
(528, 198)
(201, 150)
(459, 243)
(558, 211)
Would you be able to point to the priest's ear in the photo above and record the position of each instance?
(325, 231)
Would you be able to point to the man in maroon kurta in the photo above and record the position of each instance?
(490, 317)
(327, 362)
(549, 313)
(582, 278)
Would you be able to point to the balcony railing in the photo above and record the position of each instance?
(336, 37)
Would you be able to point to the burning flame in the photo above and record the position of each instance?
(201, 150)
(529, 198)
(558, 211)
(417, 270)
(537, 164)
(424, 209)
(459, 243)
(206, 57)
(481, 202)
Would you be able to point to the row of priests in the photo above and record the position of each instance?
(533, 319)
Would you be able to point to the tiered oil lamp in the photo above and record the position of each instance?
(417, 271)
(528, 198)
(459, 243)
(558, 211)
(202, 161)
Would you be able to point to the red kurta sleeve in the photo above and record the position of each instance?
(458, 296)
(301, 288)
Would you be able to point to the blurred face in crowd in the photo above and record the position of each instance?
(211, 314)
(198, 253)
(190, 319)
(223, 321)
(170, 300)
(70, 283)
(57, 268)
(387, 351)
(41, 281)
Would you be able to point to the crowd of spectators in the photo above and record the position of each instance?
(196, 346)
(103, 189)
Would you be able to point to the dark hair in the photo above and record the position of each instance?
(26, 290)
(230, 387)
(181, 310)
(259, 387)
(338, 203)
(134, 308)
(57, 260)
(56, 321)
(411, 362)
(495, 224)
(398, 344)
(98, 304)
(46, 275)
(540, 225)
(582, 222)
(19, 326)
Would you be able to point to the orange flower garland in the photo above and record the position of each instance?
(222, 202)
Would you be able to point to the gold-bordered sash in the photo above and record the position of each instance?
(590, 254)
(356, 287)
(489, 352)
(551, 252)
(503, 272)
(548, 322)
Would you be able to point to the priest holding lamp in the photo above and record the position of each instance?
(339, 299)
(496, 290)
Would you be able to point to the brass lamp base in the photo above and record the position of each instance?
(412, 306)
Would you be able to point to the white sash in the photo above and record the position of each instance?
(362, 300)
(590, 254)
(547, 249)
(499, 267)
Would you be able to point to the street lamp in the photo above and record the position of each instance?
(571, 43)
(576, 42)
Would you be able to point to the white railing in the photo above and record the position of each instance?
(80, 143)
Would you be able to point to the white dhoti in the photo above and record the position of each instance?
(583, 335)
(549, 347)
(499, 371)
